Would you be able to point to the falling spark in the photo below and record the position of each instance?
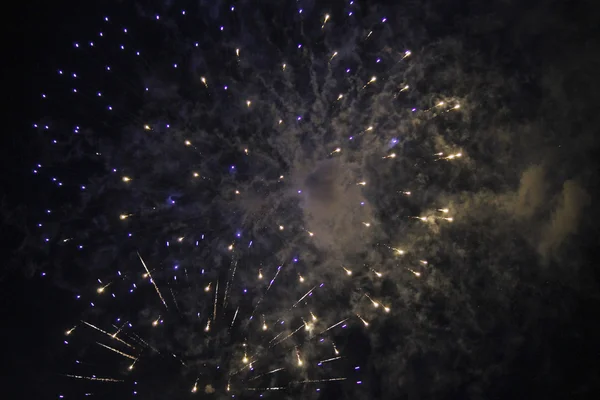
(322, 380)
(101, 289)
(348, 272)
(117, 351)
(152, 280)
(215, 304)
(94, 378)
(325, 21)
(336, 151)
(234, 316)
(302, 298)
(107, 334)
(416, 273)
(266, 373)
(334, 325)
(363, 321)
(290, 335)
(298, 357)
(132, 365)
(329, 360)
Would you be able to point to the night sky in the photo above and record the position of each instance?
(301, 200)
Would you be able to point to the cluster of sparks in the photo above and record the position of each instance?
(264, 331)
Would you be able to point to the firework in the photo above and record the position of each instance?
(192, 145)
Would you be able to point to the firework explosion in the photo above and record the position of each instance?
(253, 199)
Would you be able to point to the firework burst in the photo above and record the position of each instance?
(222, 182)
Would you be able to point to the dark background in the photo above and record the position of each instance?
(564, 360)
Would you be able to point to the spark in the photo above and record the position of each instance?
(322, 380)
(94, 378)
(373, 79)
(124, 216)
(300, 278)
(314, 318)
(415, 273)
(132, 365)
(207, 288)
(302, 298)
(334, 54)
(260, 275)
(70, 330)
(348, 272)
(334, 325)
(106, 333)
(325, 21)
(363, 183)
(393, 155)
(187, 143)
(363, 321)
(336, 151)
(152, 280)
(290, 335)
(203, 79)
(234, 316)
(298, 357)
(335, 350)
(273, 280)
(367, 224)
(156, 321)
(147, 127)
(126, 179)
(215, 304)
(101, 288)
(443, 210)
(329, 360)
(266, 373)
(207, 326)
(117, 351)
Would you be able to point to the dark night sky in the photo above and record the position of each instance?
(507, 306)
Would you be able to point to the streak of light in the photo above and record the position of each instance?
(94, 378)
(334, 325)
(302, 298)
(266, 373)
(330, 359)
(234, 316)
(117, 351)
(152, 280)
(290, 335)
(107, 334)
